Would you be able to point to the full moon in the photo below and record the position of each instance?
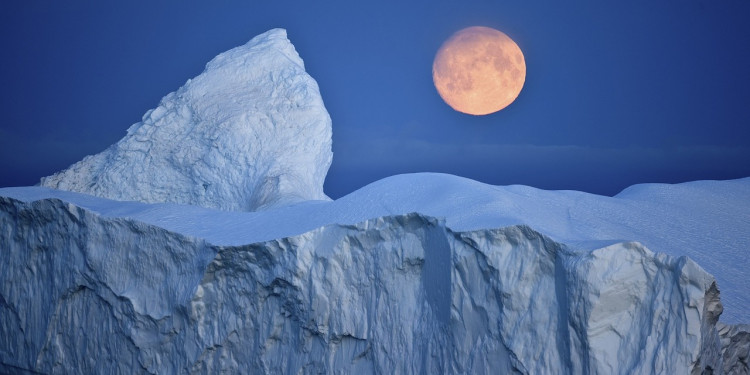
(479, 70)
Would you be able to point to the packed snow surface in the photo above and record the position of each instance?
(250, 132)
(709, 221)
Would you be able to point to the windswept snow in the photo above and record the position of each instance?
(248, 133)
(709, 221)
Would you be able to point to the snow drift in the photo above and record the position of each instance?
(249, 132)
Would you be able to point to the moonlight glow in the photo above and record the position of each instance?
(479, 70)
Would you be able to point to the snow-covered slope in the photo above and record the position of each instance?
(709, 221)
(249, 132)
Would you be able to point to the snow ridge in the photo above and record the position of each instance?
(250, 132)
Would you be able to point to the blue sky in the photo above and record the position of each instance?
(616, 93)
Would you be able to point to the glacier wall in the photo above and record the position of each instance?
(250, 132)
(84, 293)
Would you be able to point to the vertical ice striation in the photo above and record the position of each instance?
(249, 132)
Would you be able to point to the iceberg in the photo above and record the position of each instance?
(88, 293)
(250, 132)
(202, 242)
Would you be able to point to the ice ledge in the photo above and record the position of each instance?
(701, 219)
(425, 296)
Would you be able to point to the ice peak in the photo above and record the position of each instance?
(250, 132)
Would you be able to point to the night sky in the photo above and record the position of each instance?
(616, 93)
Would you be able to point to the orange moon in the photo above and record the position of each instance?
(479, 70)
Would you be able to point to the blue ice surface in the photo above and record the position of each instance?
(708, 221)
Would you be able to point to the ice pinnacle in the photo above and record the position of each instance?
(250, 132)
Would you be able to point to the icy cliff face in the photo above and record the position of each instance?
(735, 343)
(249, 132)
(85, 293)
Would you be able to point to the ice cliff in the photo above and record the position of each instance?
(249, 132)
(87, 293)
